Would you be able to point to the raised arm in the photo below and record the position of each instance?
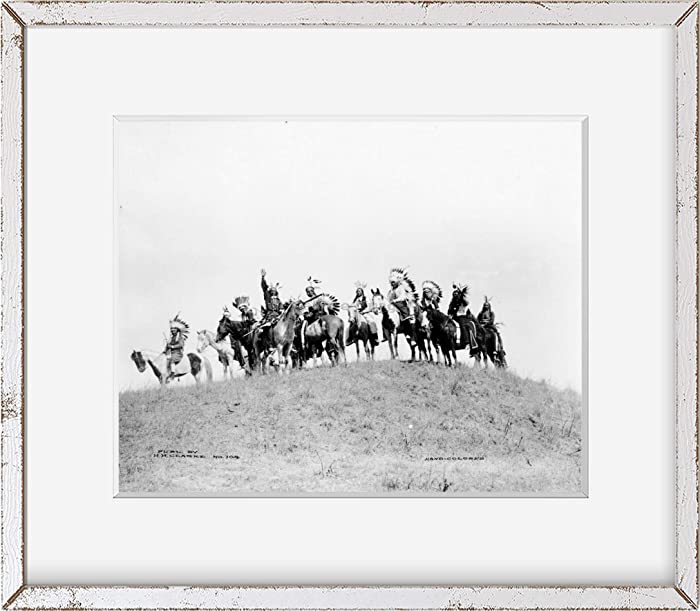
(264, 286)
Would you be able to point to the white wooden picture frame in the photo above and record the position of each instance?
(18, 16)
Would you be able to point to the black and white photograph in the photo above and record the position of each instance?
(353, 306)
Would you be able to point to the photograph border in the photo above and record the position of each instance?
(17, 17)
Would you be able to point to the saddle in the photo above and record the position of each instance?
(180, 367)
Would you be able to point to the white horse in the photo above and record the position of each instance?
(194, 364)
(227, 356)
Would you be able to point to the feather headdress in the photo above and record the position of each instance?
(177, 323)
(434, 288)
(462, 288)
(242, 302)
(330, 302)
(397, 274)
(360, 285)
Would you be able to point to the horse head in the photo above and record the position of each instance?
(377, 300)
(202, 340)
(139, 361)
(222, 329)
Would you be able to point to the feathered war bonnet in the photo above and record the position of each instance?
(242, 302)
(433, 288)
(330, 302)
(397, 274)
(361, 286)
(177, 323)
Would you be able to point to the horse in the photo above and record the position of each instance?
(359, 331)
(443, 334)
(240, 332)
(422, 335)
(491, 348)
(392, 325)
(278, 337)
(195, 365)
(328, 329)
(227, 354)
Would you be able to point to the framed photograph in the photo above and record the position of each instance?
(349, 305)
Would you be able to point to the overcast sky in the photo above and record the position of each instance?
(497, 204)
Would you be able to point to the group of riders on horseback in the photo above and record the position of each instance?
(297, 330)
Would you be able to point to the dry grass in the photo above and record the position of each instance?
(372, 428)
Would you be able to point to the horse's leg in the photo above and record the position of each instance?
(412, 344)
(357, 346)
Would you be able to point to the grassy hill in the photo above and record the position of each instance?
(382, 428)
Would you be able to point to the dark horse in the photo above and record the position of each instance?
(492, 349)
(443, 334)
(468, 325)
(240, 333)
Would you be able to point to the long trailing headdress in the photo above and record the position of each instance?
(434, 288)
(177, 323)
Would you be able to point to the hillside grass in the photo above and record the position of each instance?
(384, 427)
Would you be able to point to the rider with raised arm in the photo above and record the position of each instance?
(273, 303)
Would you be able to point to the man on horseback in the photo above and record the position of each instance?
(316, 307)
(175, 345)
(431, 296)
(460, 312)
(360, 299)
(242, 304)
(273, 303)
(273, 309)
(487, 319)
(402, 294)
(372, 318)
